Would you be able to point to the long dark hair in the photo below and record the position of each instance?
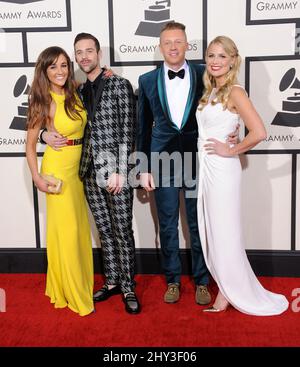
(39, 96)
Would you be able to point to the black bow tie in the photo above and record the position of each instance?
(172, 74)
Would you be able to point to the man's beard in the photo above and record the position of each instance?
(88, 69)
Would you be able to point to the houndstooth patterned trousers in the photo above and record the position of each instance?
(113, 218)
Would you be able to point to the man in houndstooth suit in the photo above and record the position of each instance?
(108, 141)
(111, 113)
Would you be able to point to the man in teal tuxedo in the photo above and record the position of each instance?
(168, 99)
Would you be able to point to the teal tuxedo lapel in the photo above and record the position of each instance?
(189, 103)
(161, 87)
(164, 101)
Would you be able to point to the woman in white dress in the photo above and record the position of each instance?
(222, 106)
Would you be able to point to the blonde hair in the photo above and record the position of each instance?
(223, 92)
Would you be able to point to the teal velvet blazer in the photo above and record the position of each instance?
(156, 130)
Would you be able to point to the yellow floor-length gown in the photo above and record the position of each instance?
(70, 274)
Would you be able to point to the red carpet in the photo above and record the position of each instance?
(30, 319)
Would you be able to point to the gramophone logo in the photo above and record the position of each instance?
(155, 17)
(136, 38)
(290, 114)
(21, 89)
(297, 42)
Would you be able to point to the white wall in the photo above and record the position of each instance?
(267, 180)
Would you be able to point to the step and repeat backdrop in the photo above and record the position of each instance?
(268, 36)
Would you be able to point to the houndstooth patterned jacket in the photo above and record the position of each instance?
(109, 137)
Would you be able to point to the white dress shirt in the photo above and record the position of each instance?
(177, 91)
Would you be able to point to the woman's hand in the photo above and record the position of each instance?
(217, 147)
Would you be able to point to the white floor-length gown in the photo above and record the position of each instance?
(219, 219)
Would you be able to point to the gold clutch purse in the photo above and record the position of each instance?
(56, 183)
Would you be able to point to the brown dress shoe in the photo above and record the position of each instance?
(173, 293)
(202, 296)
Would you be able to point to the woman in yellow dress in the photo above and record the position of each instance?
(54, 104)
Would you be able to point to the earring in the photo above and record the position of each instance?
(231, 67)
